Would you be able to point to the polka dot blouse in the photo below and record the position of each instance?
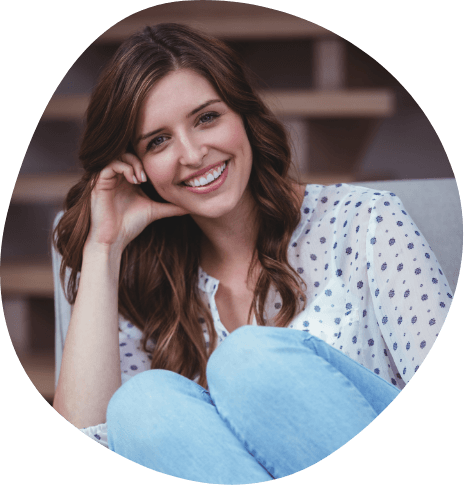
(375, 290)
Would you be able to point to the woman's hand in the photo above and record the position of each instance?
(120, 210)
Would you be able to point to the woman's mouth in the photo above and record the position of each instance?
(208, 181)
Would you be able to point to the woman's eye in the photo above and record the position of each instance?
(156, 142)
(208, 118)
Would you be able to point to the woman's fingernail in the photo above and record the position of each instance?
(135, 179)
(143, 176)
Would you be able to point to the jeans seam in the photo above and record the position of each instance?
(244, 442)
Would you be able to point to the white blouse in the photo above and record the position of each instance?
(375, 290)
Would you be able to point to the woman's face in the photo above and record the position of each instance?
(193, 147)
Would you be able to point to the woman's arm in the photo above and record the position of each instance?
(410, 293)
(90, 370)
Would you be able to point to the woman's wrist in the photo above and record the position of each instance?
(106, 252)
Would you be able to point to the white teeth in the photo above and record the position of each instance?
(208, 179)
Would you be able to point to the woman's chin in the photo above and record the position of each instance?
(215, 210)
(215, 213)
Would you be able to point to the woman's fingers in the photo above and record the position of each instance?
(128, 165)
(118, 168)
(136, 164)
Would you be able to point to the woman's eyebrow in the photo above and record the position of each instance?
(204, 105)
(147, 135)
(199, 108)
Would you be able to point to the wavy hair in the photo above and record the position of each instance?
(158, 281)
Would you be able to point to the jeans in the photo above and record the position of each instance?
(279, 401)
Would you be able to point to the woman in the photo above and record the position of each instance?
(186, 186)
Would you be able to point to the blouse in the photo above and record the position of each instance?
(374, 289)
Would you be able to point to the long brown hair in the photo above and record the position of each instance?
(158, 282)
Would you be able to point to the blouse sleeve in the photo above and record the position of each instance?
(410, 293)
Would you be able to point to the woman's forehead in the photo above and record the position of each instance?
(177, 93)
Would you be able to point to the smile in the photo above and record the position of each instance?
(208, 181)
(207, 177)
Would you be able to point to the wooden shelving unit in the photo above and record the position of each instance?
(327, 102)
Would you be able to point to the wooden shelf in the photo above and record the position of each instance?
(31, 279)
(66, 108)
(226, 20)
(353, 103)
(43, 188)
(375, 103)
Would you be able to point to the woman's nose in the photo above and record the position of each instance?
(192, 152)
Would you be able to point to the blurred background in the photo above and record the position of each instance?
(350, 121)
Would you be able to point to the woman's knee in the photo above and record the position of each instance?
(244, 358)
(140, 393)
(235, 349)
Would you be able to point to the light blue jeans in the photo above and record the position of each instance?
(279, 401)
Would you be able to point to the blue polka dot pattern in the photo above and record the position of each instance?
(385, 295)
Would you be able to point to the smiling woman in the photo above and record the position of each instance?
(195, 151)
(186, 232)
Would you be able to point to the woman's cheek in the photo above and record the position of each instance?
(159, 183)
(237, 136)
(160, 174)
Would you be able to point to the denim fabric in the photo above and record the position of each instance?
(279, 401)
